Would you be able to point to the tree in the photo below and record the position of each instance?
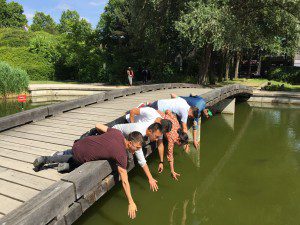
(242, 26)
(68, 20)
(11, 14)
(44, 22)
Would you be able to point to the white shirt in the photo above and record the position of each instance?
(177, 105)
(127, 128)
(147, 114)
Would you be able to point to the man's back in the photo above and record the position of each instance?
(176, 105)
(109, 145)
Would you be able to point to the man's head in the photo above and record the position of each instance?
(183, 137)
(207, 113)
(194, 112)
(154, 131)
(134, 141)
(166, 125)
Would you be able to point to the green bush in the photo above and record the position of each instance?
(14, 37)
(45, 45)
(12, 80)
(36, 66)
(285, 74)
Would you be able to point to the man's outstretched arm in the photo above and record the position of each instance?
(134, 112)
(101, 127)
(142, 162)
(126, 186)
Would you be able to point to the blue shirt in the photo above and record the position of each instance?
(198, 102)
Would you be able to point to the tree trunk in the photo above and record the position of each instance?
(203, 69)
(227, 69)
(249, 66)
(259, 67)
(237, 65)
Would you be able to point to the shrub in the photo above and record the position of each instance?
(12, 80)
(37, 67)
(14, 37)
(45, 45)
(285, 74)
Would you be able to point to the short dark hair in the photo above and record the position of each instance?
(195, 111)
(155, 126)
(183, 137)
(166, 125)
(136, 136)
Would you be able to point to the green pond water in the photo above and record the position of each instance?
(9, 106)
(248, 173)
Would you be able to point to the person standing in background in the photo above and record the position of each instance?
(130, 75)
(145, 74)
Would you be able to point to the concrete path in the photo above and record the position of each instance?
(21, 145)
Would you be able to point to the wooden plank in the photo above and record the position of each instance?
(53, 129)
(35, 137)
(16, 191)
(91, 117)
(43, 207)
(25, 179)
(99, 112)
(86, 117)
(38, 144)
(21, 156)
(26, 149)
(37, 131)
(61, 125)
(77, 121)
(55, 122)
(28, 168)
(8, 204)
(105, 106)
(88, 175)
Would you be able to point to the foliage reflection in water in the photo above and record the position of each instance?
(248, 173)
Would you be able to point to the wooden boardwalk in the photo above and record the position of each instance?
(21, 145)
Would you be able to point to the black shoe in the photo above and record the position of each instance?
(39, 163)
(63, 167)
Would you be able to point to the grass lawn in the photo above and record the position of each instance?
(244, 81)
(260, 82)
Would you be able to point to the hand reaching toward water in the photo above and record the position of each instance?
(160, 167)
(153, 184)
(132, 210)
(175, 175)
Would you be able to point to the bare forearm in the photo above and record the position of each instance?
(126, 187)
(184, 127)
(195, 135)
(147, 172)
(171, 162)
(161, 150)
(101, 127)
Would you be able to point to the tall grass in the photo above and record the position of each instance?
(12, 80)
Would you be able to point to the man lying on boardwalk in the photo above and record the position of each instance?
(180, 107)
(148, 114)
(200, 103)
(175, 136)
(153, 132)
(111, 146)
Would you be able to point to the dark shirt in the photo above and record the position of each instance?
(109, 146)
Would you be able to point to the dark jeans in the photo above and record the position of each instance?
(154, 105)
(64, 157)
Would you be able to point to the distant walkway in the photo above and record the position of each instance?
(37, 90)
